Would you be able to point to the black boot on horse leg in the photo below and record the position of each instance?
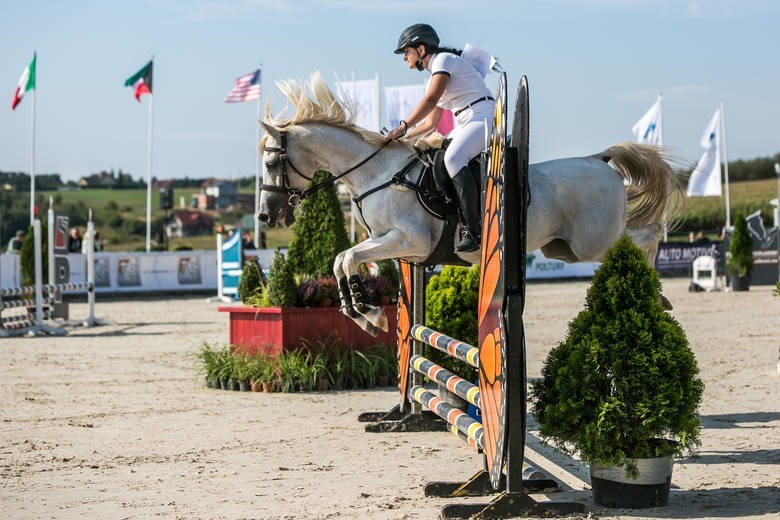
(469, 211)
(360, 298)
(349, 310)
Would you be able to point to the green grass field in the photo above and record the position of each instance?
(701, 213)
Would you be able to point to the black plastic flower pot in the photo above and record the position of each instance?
(612, 488)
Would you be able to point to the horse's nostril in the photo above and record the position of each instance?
(263, 217)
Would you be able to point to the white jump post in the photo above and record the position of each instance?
(39, 327)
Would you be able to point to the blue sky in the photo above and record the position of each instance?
(594, 67)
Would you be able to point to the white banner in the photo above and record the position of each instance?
(649, 129)
(537, 266)
(362, 99)
(705, 179)
(400, 101)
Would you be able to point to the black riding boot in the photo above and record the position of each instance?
(469, 211)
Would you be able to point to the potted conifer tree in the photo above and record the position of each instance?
(622, 391)
(740, 256)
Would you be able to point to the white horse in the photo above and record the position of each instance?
(579, 206)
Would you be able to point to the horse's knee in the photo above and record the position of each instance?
(338, 265)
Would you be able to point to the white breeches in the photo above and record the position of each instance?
(468, 136)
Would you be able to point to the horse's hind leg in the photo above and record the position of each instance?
(646, 239)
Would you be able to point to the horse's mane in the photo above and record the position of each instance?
(319, 107)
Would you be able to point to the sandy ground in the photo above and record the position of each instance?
(113, 422)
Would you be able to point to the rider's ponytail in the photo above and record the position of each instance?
(447, 49)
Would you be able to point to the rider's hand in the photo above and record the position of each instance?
(398, 132)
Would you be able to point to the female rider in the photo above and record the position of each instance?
(457, 86)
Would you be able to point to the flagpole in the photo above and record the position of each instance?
(257, 163)
(661, 119)
(32, 161)
(725, 163)
(661, 143)
(149, 172)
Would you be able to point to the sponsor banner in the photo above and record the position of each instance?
(675, 256)
(148, 272)
(537, 266)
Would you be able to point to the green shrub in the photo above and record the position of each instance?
(624, 383)
(451, 308)
(27, 256)
(319, 233)
(281, 286)
(740, 258)
(252, 282)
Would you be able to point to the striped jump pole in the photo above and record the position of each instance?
(454, 347)
(455, 417)
(453, 383)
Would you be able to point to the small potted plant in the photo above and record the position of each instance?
(622, 390)
(209, 365)
(309, 292)
(739, 261)
(329, 291)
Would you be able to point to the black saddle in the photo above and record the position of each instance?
(435, 191)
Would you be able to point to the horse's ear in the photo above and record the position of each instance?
(270, 130)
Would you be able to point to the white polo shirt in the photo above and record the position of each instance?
(466, 84)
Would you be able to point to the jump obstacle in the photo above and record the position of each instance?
(500, 357)
(46, 299)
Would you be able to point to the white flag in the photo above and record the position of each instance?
(705, 179)
(649, 129)
(400, 101)
(362, 99)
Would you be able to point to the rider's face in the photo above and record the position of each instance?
(411, 55)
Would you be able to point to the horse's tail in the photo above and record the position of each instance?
(655, 195)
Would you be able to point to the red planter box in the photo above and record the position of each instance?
(274, 329)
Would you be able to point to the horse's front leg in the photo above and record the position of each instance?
(346, 267)
(345, 295)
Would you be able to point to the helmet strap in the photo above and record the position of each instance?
(419, 63)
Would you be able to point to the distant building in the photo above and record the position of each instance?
(98, 180)
(188, 223)
(246, 200)
(224, 192)
(202, 201)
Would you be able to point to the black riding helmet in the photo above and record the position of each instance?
(417, 34)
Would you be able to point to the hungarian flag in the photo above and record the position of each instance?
(26, 82)
(141, 81)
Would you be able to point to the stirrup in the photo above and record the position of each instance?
(467, 242)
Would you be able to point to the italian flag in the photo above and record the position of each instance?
(26, 82)
(141, 81)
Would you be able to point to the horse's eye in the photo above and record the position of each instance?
(272, 162)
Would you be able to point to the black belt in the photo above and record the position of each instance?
(480, 100)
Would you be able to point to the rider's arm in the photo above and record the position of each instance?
(436, 88)
(428, 125)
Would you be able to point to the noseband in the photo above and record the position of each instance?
(296, 195)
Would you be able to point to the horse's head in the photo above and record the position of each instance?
(283, 183)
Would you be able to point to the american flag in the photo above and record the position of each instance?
(245, 88)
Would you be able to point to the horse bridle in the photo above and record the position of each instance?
(296, 195)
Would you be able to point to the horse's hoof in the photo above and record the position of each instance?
(666, 304)
(371, 330)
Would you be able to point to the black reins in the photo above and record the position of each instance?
(296, 195)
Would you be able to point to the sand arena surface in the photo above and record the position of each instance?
(113, 422)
